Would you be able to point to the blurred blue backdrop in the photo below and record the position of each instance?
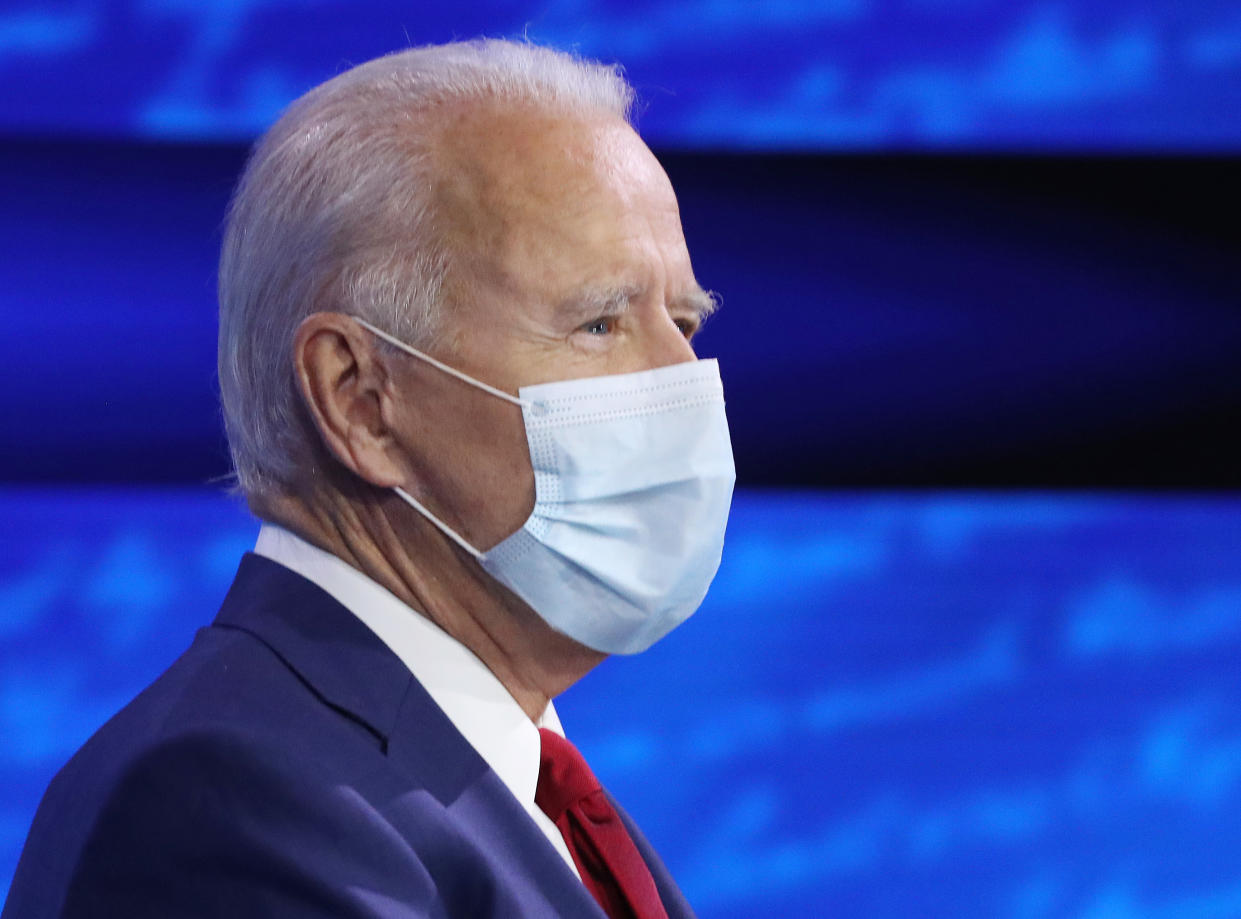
(909, 321)
(960, 243)
(891, 705)
(997, 74)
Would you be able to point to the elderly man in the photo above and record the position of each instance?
(456, 309)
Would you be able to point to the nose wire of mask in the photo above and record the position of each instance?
(465, 378)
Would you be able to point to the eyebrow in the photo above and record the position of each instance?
(593, 302)
(701, 301)
(612, 301)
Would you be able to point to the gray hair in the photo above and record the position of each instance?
(334, 211)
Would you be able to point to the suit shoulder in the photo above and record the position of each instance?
(227, 691)
(214, 821)
(226, 725)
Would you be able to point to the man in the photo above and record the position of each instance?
(455, 319)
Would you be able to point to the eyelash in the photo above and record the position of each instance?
(687, 326)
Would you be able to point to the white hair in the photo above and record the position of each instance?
(334, 211)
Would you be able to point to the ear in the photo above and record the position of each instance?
(345, 388)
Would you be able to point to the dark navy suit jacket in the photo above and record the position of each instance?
(288, 765)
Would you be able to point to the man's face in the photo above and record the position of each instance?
(569, 261)
(572, 259)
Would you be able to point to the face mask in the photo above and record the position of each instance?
(633, 477)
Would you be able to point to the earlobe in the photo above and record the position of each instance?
(343, 387)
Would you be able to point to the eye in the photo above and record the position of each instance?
(688, 327)
(604, 325)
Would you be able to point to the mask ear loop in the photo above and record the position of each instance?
(465, 378)
(451, 371)
(443, 527)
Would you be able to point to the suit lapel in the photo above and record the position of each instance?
(333, 651)
(354, 672)
(424, 742)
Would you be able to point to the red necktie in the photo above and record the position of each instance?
(610, 865)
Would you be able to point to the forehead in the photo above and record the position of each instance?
(521, 187)
(522, 155)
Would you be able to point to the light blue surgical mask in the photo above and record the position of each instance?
(633, 478)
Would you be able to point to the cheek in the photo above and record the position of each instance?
(500, 495)
(468, 454)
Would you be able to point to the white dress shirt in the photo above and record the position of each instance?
(475, 701)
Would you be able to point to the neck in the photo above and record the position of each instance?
(439, 580)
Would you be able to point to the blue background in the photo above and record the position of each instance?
(972, 650)
(1002, 74)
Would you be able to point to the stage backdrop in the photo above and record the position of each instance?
(835, 74)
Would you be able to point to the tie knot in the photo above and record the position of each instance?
(564, 777)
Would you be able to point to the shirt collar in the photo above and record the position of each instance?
(475, 701)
